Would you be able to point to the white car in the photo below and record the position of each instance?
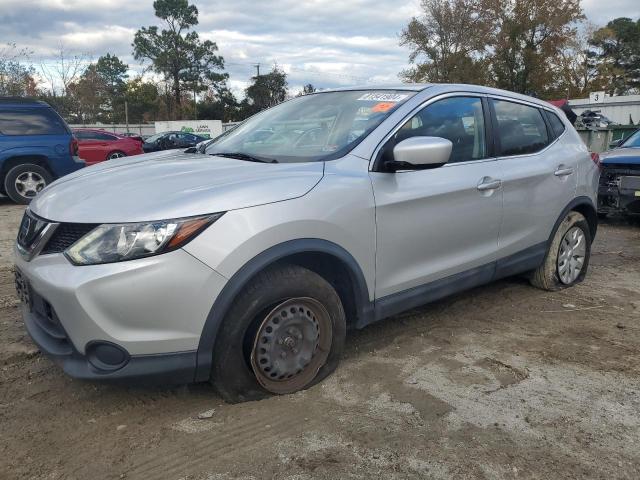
(246, 265)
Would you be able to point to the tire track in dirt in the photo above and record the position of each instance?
(247, 435)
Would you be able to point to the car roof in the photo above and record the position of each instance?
(87, 129)
(22, 102)
(443, 88)
(415, 87)
(95, 130)
(179, 131)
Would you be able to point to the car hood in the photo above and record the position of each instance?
(621, 156)
(172, 184)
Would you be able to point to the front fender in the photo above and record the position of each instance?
(234, 286)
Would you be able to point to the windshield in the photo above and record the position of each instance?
(632, 141)
(153, 138)
(317, 127)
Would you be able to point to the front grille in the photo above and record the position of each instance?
(31, 228)
(66, 235)
(630, 183)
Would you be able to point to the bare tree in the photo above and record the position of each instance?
(64, 70)
(16, 71)
(576, 69)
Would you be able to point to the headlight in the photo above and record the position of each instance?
(118, 242)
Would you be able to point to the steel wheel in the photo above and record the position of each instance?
(571, 255)
(291, 344)
(28, 184)
(115, 155)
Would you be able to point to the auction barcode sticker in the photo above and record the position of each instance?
(383, 97)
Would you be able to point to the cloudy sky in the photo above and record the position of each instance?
(324, 42)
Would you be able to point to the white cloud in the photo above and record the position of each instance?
(101, 40)
(324, 42)
(600, 12)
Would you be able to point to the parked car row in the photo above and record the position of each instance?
(97, 145)
(37, 147)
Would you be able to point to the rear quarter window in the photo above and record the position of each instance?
(521, 130)
(557, 127)
(32, 121)
(104, 137)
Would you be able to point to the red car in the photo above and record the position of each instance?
(97, 145)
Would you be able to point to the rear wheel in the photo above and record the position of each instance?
(23, 182)
(116, 154)
(567, 258)
(284, 333)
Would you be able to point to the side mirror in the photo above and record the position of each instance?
(419, 153)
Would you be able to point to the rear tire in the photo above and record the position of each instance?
(567, 258)
(116, 154)
(285, 332)
(23, 182)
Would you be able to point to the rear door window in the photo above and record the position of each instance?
(521, 130)
(33, 121)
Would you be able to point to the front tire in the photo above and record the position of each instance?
(285, 332)
(23, 182)
(567, 258)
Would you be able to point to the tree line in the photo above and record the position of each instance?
(537, 47)
(188, 79)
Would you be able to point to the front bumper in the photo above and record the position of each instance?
(166, 369)
(619, 191)
(153, 309)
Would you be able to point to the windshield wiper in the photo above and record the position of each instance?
(244, 156)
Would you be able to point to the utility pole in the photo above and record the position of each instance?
(195, 104)
(257, 65)
(126, 114)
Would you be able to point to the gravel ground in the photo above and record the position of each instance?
(504, 381)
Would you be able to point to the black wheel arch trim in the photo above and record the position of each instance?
(577, 202)
(223, 302)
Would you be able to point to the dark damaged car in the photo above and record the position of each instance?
(619, 190)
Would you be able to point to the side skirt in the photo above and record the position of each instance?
(524, 261)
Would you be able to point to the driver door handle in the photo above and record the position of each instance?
(489, 184)
(562, 171)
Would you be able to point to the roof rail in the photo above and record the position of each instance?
(20, 101)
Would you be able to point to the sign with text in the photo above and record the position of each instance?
(204, 128)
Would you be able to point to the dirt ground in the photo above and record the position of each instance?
(505, 381)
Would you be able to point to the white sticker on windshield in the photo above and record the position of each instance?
(383, 97)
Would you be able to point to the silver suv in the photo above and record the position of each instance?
(246, 264)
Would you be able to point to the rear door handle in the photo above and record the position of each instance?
(563, 172)
(489, 184)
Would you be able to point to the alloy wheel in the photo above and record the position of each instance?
(571, 255)
(28, 184)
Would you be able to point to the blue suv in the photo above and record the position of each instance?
(36, 147)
